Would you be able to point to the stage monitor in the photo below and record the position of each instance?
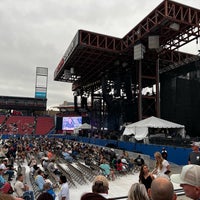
(70, 123)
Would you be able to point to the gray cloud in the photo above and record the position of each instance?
(37, 33)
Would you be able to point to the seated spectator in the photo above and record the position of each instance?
(114, 163)
(125, 162)
(41, 154)
(2, 154)
(120, 166)
(50, 154)
(101, 186)
(7, 169)
(131, 163)
(45, 162)
(52, 168)
(32, 162)
(39, 179)
(67, 156)
(22, 190)
(2, 180)
(88, 160)
(137, 192)
(162, 189)
(125, 154)
(48, 188)
(106, 170)
(5, 187)
(33, 165)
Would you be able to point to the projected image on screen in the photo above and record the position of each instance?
(70, 123)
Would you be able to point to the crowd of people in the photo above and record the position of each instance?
(155, 184)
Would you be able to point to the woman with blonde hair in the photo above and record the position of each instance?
(137, 192)
(162, 167)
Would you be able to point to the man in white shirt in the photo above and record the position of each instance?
(22, 190)
(6, 169)
(64, 191)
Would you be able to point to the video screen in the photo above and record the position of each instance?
(70, 123)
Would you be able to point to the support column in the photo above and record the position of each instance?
(140, 90)
(157, 89)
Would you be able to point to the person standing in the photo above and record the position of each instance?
(139, 161)
(164, 153)
(189, 180)
(194, 156)
(145, 177)
(162, 166)
(64, 191)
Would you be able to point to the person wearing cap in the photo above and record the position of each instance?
(194, 156)
(189, 180)
(164, 153)
(101, 186)
(162, 189)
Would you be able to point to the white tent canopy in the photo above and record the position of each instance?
(86, 126)
(140, 129)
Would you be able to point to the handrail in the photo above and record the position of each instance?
(179, 192)
(123, 197)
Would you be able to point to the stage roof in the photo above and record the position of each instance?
(90, 56)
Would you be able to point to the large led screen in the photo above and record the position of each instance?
(70, 123)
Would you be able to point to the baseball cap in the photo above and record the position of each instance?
(190, 175)
(102, 179)
(195, 144)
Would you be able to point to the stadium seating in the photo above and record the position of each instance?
(44, 125)
(20, 124)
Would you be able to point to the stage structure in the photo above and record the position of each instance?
(123, 76)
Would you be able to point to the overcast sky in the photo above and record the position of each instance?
(37, 33)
